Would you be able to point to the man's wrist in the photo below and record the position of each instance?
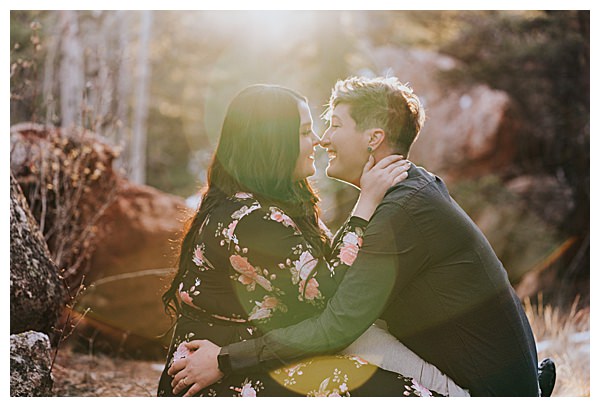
(245, 356)
(357, 221)
(224, 361)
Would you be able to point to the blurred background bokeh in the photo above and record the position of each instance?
(507, 95)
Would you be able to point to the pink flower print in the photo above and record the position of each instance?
(181, 352)
(348, 254)
(351, 244)
(312, 290)
(334, 395)
(263, 309)
(185, 297)
(248, 274)
(359, 360)
(229, 233)
(259, 313)
(243, 195)
(276, 216)
(281, 217)
(199, 258)
(269, 303)
(243, 211)
(296, 369)
(263, 282)
(246, 280)
(242, 266)
(248, 391)
(305, 264)
(420, 389)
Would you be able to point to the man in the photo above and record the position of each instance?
(424, 268)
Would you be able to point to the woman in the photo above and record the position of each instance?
(256, 257)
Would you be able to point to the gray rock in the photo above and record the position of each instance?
(36, 293)
(68, 180)
(30, 361)
(134, 254)
(130, 247)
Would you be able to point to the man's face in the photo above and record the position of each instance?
(346, 146)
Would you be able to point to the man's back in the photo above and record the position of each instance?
(426, 269)
(453, 304)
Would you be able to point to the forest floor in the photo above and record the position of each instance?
(78, 374)
(565, 338)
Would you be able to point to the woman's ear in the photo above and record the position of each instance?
(376, 137)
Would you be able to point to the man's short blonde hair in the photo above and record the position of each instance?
(381, 102)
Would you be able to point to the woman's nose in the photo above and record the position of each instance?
(325, 139)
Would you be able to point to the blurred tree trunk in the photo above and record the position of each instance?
(71, 70)
(104, 88)
(49, 84)
(138, 145)
(122, 134)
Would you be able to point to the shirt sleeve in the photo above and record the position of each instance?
(392, 252)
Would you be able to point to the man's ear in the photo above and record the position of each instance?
(376, 138)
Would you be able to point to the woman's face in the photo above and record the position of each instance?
(346, 146)
(305, 164)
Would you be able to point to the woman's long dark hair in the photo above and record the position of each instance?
(256, 153)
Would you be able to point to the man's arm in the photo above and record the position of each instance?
(392, 252)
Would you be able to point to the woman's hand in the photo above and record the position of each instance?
(198, 370)
(376, 180)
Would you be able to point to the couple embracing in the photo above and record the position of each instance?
(407, 299)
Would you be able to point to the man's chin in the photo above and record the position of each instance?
(330, 172)
(333, 174)
(340, 176)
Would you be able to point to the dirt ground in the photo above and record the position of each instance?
(81, 375)
(566, 340)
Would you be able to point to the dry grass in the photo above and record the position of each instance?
(563, 336)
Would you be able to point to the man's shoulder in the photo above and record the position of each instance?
(418, 179)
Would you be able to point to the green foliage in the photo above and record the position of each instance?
(542, 61)
(520, 238)
(167, 170)
(200, 60)
(26, 58)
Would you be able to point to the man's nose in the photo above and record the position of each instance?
(315, 139)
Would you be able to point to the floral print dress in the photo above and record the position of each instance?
(250, 271)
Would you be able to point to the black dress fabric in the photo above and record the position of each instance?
(252, 271)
